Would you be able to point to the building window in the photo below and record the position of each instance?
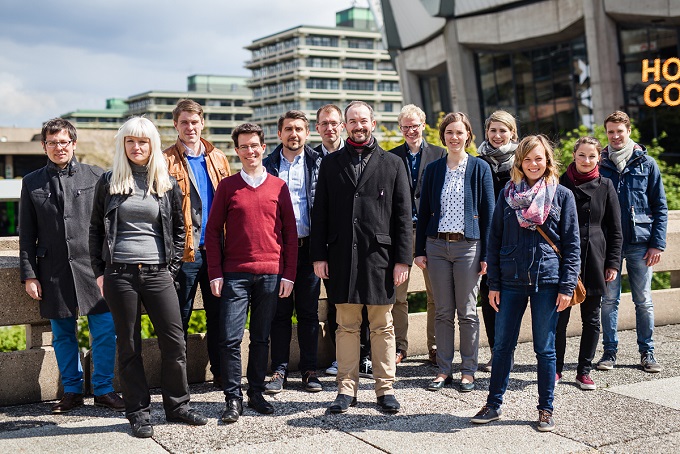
(547, 88)
(388, 86)
(316, 62)
(360, 43)
(220, 117)
(220, 131)
(322, 84)
(355, 63)
(325, 41)
(362, 85)
(385, 66)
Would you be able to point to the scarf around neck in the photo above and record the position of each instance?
(500, 159)
(620, 157)
(531, 204)
(579, 178)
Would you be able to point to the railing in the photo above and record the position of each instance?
(32, 375)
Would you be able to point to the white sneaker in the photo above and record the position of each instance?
(332, 369)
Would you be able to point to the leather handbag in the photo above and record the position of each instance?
(580, 291)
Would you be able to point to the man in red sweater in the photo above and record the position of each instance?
(251, 246)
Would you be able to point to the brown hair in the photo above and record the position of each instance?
(359, 103)
(55, 126)
(452, 118)
(527, 145)
(247, 128)
(504, 117)
(590, 141)
(293, 115)
(329, 108)
(617, 117)
(186, 105)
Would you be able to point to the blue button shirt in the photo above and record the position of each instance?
(414, 165)
(294, 176)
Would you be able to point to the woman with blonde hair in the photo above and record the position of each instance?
(136, 246)
(523, 266)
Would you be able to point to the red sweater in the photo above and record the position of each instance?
(261, 236)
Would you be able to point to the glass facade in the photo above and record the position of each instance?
(546, 88)
(638, 43)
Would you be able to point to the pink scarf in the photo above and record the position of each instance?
(531, 204)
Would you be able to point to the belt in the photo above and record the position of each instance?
(131, 267)
(449, 236)
(304, 241)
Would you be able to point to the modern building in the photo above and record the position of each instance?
(112, 117)
(306, 67)
(554, 64)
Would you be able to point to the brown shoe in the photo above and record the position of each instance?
(401, 354)
(433, 356)
(110, 400)
(68, 402)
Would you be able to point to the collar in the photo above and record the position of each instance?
(190, 152)
(254, 181)
(325, 150)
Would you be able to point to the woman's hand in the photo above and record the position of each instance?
(610, 274)
(482, 271)
(562, 302)
(421, 262)
(494, 299)
(100, 284)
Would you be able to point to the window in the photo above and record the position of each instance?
(362, 85)
(322, 84)
(353, 63)
(317, 62)
(326, 41)
(360, 43)
(388, 86)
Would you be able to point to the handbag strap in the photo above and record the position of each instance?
(552, 245)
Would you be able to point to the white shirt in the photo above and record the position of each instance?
(254, 181)
(452, 218)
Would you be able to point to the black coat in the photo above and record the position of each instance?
(53, 228)
(362, 229)
(599, 221)
(430, 154)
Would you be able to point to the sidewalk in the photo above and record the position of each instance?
(631, 411)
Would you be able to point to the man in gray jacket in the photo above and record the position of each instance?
(55, 207)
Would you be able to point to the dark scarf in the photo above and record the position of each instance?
(579, 178)
(500, 159)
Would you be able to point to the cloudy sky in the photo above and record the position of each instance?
(59, 56)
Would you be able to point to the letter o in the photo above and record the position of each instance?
(667, 95)
(664, 69)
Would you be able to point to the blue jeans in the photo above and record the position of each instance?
(189, 277)
(240, 290)
(544, 317)
(67, 352)
(640, 278)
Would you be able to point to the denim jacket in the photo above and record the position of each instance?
(644, 212)
(520, 256)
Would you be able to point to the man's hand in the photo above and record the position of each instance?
(562, 302)
(100, 284)
(652, 256)
(610, 274)
(421, 262)
(216, 287)
(482, 271)
(285, 288)
(494, 299)
(321, 269)
(400, 273)
(34, 289)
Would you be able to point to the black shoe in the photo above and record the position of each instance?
(257, 402)
(388, 403)
(233, 410)
(188, 416)
(437, 385)
(467, 387)
(68, 402)
(217, 381)
(142, 429)
(342, 403)
(311, 382)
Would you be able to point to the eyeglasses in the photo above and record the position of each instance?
(249, 147)
(326, 124)
(410, 128)
(63, 144)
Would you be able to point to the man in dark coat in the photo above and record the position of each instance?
(55, 207)
(362, 243)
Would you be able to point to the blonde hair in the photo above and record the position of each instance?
(504, 117)
(158, 178)
(524, 148)
(411, 110)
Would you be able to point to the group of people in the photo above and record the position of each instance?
(162, 223)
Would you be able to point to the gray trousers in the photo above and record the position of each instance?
(454, 268)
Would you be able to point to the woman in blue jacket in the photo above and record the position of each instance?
(456, 204)
(522, 265)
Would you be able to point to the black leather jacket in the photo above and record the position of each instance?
(104, 223)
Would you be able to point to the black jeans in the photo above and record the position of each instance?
(126, 288)
(189, 277)
(488, 313)
(305, 300)
(364, 332)
(240, 290)
(590, 316)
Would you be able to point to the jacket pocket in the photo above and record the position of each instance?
(384, 239)
(642, 227)
(508, 263)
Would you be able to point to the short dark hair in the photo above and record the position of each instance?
(247, 128)
(452, 118)
(186, 105)
(328, 108)
(617, 117)
(55, 126)
(359, 103)
(293, 115)
(589, 140)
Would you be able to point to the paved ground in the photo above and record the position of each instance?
(631, 411)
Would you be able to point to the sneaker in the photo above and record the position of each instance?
(486, 415)
(607, 362)
(276, 383)
(546, 423)
(332, 369)
(366, 368)
(585, 382)
(311, 382)
(648, 363)
(558, 377)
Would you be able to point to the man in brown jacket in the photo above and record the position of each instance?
(198, 168)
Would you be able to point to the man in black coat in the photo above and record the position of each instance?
(416, 154)
(362, 243)
(54, 214)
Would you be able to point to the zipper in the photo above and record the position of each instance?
(632, 212)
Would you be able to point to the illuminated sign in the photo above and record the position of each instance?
(655, 93)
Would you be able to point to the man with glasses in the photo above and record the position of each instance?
(416, 154)
(198, 168)
(54, 220)
(298, 165)
(251, 242)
